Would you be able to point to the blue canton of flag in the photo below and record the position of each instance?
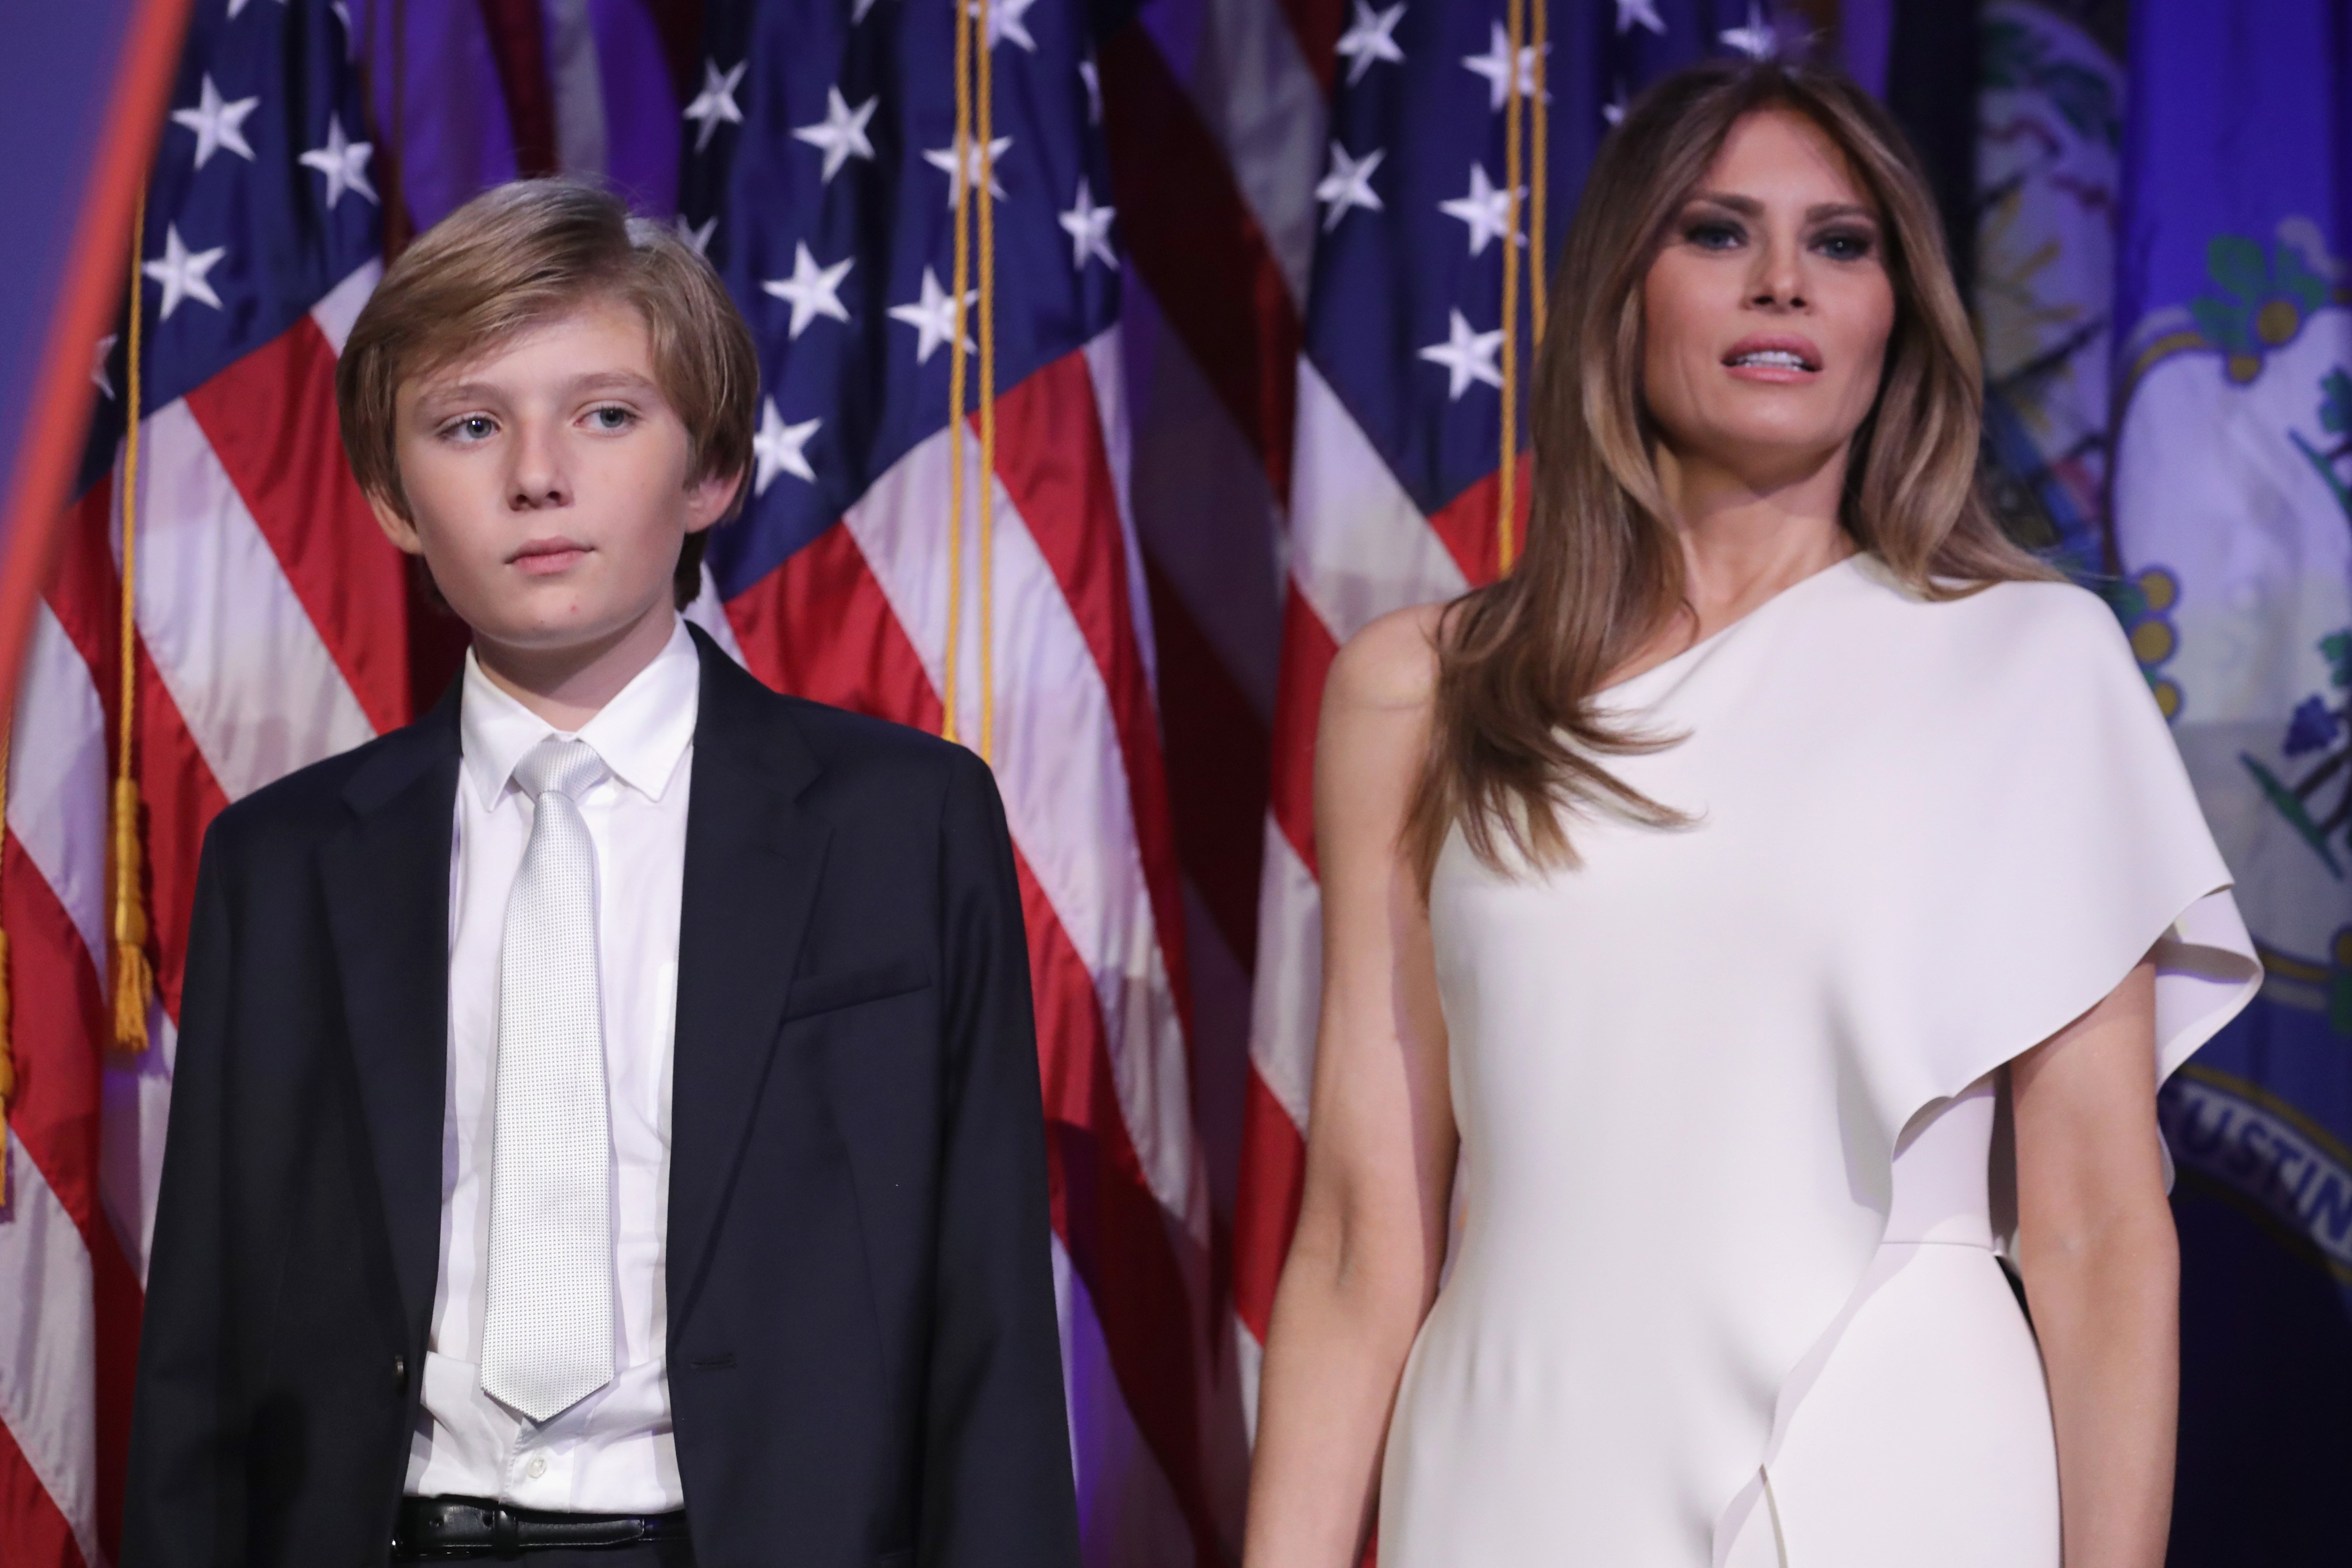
(261, 201)
(820, 182)
(1405, 310)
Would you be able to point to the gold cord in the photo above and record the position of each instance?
(134, 981)
(1505, 493)
(956, 365)
(1539, 171)
(986, 73)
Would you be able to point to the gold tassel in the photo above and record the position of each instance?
(134, 981)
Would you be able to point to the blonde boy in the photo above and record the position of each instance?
(605, 1125)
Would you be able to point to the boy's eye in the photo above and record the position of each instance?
(471, 427)
(612, 417)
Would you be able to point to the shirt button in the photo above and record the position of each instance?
(536, 1468)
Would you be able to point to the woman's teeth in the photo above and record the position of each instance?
(1780, 359)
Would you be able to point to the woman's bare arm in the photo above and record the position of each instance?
(1379, 1157)
(2102, 1270)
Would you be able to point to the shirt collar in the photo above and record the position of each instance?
(641, 734)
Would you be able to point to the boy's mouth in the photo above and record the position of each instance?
(546, 557)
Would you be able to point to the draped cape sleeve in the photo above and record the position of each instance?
(2041, 837)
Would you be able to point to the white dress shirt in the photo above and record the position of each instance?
(613, 1452)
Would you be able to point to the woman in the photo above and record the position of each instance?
(1704, 894)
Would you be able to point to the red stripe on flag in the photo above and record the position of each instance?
(1217, 763)
(33, 1533)
(53, 1112)
(181, 798)
(1055, 464)
(1199, 247)
(1116, 1231)
(1307, 650)
(270, 418)
(1317, 25)
(819, 626)
(1466, 525)
(1266, 1213)
(84, 590)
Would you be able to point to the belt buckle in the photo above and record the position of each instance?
(506, 1531)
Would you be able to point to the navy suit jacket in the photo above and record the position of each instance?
(863, 1362)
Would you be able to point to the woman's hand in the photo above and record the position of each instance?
(2102, 1270)
(1363, 1266)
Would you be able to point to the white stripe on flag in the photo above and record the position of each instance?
(250, 675)
(48, 1359)
(1288, 1003)
(1359, 547)
(56, 775)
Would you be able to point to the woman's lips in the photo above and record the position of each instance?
(1774, 359)
(548, 557)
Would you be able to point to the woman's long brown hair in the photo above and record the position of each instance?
(1515, 745)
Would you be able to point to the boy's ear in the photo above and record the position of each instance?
(397, 528)
(707, 500)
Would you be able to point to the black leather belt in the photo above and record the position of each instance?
(433, 1527)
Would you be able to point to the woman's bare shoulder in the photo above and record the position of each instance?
(1392, 663)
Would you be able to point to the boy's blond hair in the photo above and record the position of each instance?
(519, 255)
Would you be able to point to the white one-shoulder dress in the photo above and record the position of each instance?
(1724, 1292)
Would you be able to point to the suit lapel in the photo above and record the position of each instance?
(753, 856)
(387, 885)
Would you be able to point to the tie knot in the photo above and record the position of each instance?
(567, 767)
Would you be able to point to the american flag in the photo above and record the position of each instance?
(1396, 491)
(271, 630)
(822, 179)
(1162, 379)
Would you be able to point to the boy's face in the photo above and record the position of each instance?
(547, 482)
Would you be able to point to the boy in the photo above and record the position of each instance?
(606, 1124)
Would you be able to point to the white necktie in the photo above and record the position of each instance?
(547, 1330)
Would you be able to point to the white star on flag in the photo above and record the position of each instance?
(857, 11)
(780, 448)
(1091, 74)
(1494, 66)
(181, 272)
(343, 162)
(1631, 14)
(1615, 110)
(933, 316)
(97, 363)
(344, 15)
(697, 238)
(1348, 184)
(812, 291)
(943, 159)
(716, 101)
(1089, 227)
(1757, 40)
(217, 122)
(1467, 357)
(1006, 20)
(236, 5)
(1370, 38)
(841, 134)
(1486, 209)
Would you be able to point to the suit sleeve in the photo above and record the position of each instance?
(185, 1471)
(996, 1483)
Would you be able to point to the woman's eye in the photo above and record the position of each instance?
(611, 418)
(1713, 235)
(1845, 245)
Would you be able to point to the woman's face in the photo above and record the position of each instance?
(1767, 313)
